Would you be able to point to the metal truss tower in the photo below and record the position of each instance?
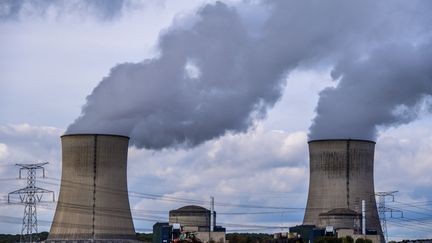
(30, 196)
(383, 209)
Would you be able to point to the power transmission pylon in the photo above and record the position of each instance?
(383, 209)
(30, 195)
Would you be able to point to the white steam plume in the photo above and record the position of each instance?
(222, 73)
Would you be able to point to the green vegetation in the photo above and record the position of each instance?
(361, 240)
(250, 238)
(348, 239)
(144, 237)
(234, 237)
(7, 238)
(329, 239)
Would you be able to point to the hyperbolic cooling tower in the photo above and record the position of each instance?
(93, 204)
(341, 176)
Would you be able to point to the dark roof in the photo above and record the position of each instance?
(340, 211)
(192, 208)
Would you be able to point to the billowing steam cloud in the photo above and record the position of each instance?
(225, 71)
(202, 85)
(386, 89)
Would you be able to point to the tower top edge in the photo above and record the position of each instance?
(93, 135)
(341, 140)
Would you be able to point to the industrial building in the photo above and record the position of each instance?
(341, 177)
(93, 204)
(162, 233)
(191, 218)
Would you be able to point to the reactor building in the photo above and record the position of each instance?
(190, 218)
(341, 177)
(93, 204)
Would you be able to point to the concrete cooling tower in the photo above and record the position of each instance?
(93, 204)
(341, 176)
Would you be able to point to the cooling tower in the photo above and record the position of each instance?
(341, 176)
(93, 204)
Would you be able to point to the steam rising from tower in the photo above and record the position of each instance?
(390, 87)
(227, 66)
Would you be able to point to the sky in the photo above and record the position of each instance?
(291, 71)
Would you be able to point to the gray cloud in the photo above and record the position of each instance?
(26, 144)
(385, 84)
(387, 88)
(161, 103)
(215, 76)
(102, 9)
(267, 159)
(30, 144)
(379, 51)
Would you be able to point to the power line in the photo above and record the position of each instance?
(382, 210)
(192, 201)
(412, 224)
(414, 206)
(404, 223)
(171, 198)
(30, 195)
(148, 215)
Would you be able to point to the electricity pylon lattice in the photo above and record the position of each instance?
(383, 209)
(30, 196)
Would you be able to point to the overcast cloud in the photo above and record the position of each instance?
(238, 93)
(213, 75)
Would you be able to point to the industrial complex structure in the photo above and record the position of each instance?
(200, 220)
(191, 218)
(93, 204)
(341, 177)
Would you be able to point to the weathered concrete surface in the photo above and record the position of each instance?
(341, 175)
(196, 219)
(93, 203)
(340, 218)
(191, 216)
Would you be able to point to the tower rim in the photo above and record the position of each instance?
(341, 139)
(94, 134)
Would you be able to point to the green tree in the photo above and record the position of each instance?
(249, 238)
(144, 237)
(348, 239)
(360, 240)
(329, 239)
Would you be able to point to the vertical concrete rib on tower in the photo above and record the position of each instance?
(341, 175)
(93, 204)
